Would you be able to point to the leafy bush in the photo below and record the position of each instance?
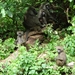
(69, 43)
(6, 47)
(28, 63)
(51, 34)
(12, 14)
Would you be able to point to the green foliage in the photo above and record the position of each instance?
(73, 71)
(6, 47)
(65, 70)
(70, 44)
(51, 34)
(72, 28)
(12, 14)
(29, 63)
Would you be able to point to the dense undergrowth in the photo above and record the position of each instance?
(39, 60)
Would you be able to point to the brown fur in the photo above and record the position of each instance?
(61, 58)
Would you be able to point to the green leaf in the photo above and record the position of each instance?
(73, 21)
(10, 14)
(32, 72)
(43, 65)
(3, 12)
